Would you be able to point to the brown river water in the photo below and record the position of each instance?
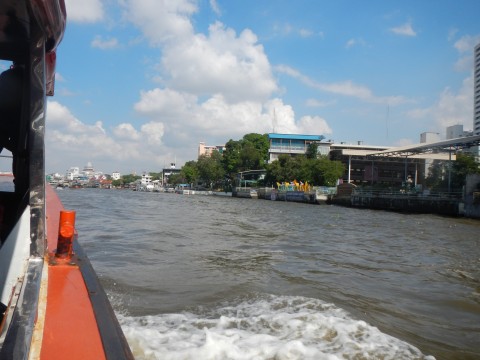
(214, 277)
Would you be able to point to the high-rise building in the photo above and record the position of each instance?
(476, 97)
(456, 131)
(476, 91)
(429, 137)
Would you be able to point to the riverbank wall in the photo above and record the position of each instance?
(443, 205)
(313, 196)
(466, 203)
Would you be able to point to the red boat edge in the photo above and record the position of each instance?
(52, 305)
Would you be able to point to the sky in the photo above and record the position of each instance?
(141, 82)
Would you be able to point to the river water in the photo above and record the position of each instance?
(213, 277)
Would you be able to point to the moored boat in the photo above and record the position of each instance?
(52, 305)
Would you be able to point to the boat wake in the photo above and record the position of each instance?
(266, 327)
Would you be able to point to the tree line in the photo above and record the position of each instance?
(219, 170)
(446, 175)
(251, 153)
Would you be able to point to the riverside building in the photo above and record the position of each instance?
(207, 150)
(292, 144)
(362, 165)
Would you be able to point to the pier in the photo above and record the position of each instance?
(438, 203)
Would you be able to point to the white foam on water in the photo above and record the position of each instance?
(269, 327)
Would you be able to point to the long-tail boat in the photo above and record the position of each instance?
(52, 305)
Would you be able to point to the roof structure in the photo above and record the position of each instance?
(434, 148)
(296, 137)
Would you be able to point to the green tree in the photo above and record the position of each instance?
(312, 151)
(464, 165)
(249, 153)
(231, 158)
(250, 158)
(117, 183)
(210, 169)
(438, 176)
(127, 179)
(175, 179)
(190, 172)
(281, 170)
(156, 176)
(320, 171)
(327, 172)
(261, 144)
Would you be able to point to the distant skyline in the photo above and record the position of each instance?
(140, 83)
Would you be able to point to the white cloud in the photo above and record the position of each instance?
(405, 30)
(162, 21)
(450, 109)
(313, 125)
(104, 44)
(85, 11)
(464, 63)
(184, 119)
(344, 88)
(214, 86)
(154, 132)
(165, 104)
(287, 29)
(319, 103)
(452, 33)
(305, 33)
(223, 62)
(59, 77)
(353, 42)
(350, 43)
(466, 43)
(215, 7)
(465, 46)
(283, 29)
(70, 142)
(126, 131)
(66, 132)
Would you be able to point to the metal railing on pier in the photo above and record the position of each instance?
(407, 193)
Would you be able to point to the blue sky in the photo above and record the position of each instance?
(140, 82)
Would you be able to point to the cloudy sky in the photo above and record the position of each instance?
(141, 82)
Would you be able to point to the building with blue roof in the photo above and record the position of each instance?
(291, 144)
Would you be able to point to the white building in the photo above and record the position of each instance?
(145, 183)
(116, 175)
(88, 170)
(455, 131)
(426, 138)
(146, 179)
(72, 173)
(429, 137)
